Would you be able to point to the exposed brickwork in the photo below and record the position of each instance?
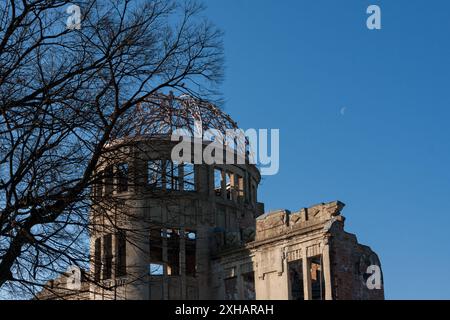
(311, 234)
(239, 252)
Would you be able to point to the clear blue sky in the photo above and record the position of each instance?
(294, 64)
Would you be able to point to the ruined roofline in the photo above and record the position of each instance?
(337, 206)
(283, 223)
(279, 224)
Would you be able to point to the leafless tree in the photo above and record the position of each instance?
(65, 94)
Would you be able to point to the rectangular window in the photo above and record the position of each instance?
(188, 177)
(98, 186)
(156, 246)
(109, 180)
(229, 187)
(156, 269)
(98, 259)
(240, 189)
(122, 177)
(155, 173)
(172, 175)
(317, 282)
(231, 290)
(173, 252)
(107, 256)
(296, 280)
(218, 178)
(121, 253)
(191, 248)
(248, 282)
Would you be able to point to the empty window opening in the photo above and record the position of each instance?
(109, 180)
(122, 177)
(165, 252)
(98, 186)
(296, 280)
(188, 177)
(156, 246)
(240, 189)
(108, 256)
(229, 186)
(156, 269)
(121, 253)
(218, 178)
(317, 287)
(248, 282)
(154, 174)
(172, 176)
(98, 259)
(173, 252)
(190, 253)
(231, 289)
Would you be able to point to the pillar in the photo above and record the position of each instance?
(306, 276)
(327, 270)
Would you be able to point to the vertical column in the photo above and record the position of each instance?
(96, 247)
(306, 276)
(239, 282)
(183, 264)
(210, 171)
(181, 176)
(165, 284)
(288, 295)
(114, 256)
(327, 270)
(233, 184)
(203, 272)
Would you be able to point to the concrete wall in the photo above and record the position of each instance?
(311, 235)
(240, 253)
(142, 209)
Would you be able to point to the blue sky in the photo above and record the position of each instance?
(295, 64)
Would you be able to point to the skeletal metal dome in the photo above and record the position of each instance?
(162, 115)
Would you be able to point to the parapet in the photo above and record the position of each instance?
(280, 222)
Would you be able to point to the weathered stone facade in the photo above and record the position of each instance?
(202, 234)
(304, 255)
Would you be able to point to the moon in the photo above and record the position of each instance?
(343, 110)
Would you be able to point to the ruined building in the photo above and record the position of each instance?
(167, 230)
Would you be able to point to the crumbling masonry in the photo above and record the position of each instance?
(163, 230)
